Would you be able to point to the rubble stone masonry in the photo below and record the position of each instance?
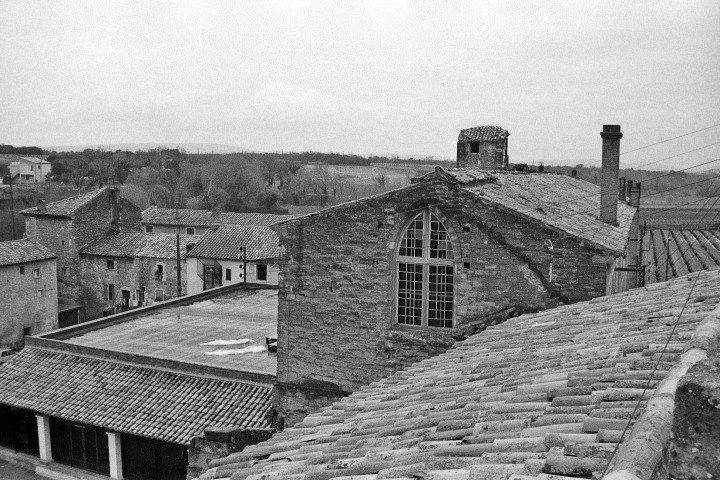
(336, 319)
(131, 274)
(29, 300)
(66, 236)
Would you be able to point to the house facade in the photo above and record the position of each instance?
(29, 291)
(66, 226)
(29, 170)
(131, 269)
(231, 254)
(197, 222)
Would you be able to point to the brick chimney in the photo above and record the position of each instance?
(611, 136)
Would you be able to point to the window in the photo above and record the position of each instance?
(41, 293)
(160, 272)
(36, 273)
(63, 271)
(62, 242)
(111, 264)
(190, 231)
(261, 271)
(27, 331)
(425, 274)
(474, 147)
(110, 292)
(22, 269)
(149, 229)
(228, 274)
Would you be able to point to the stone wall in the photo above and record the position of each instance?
(57, 235)
(130, 274)
(491, 155)
(336, 328)
(27, 301)
(219, 443)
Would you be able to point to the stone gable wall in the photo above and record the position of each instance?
(129, 274)
(23, 306)
(57, 235)
(336, 302)
(491, 155)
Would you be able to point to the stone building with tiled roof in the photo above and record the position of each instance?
(579, 391)
(483, 147)
(233, 254)
(28, 168)
(66, 226)
(197, 222)
(151, 393)
(132, 269)
(28, 288)
(388, 280)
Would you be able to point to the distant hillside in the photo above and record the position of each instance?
(134, 147)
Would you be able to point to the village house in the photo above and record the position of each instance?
(29, 291)
(151, 394)
(66, 226)
(28, 169)
(127, 270)
(622, 387)
(197, 222)
(231, 254)
(392, 279)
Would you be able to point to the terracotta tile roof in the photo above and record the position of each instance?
(690, 251)
(486, 133)
(138, 244)
(22, 251)
(66, 207)
(227, 242)
(206, 218)
(562, 202)
(539, 395)
(163, 405)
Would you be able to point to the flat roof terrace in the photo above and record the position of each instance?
(231, 322)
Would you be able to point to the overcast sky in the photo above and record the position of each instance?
(365, 77)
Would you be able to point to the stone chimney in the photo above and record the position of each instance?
(41, 206)
(634, 195)
(611, 136)
(115, 209)
(621, 189)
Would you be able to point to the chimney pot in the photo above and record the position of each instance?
(611, 136)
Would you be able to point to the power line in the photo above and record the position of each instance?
(675, 156)
(670, 139)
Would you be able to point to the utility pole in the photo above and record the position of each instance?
(12, 210)
(179, 275)
(244, 267)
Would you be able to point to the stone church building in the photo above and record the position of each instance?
(371, 286)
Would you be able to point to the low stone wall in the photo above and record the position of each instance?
(219, 443)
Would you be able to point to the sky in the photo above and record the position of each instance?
(387, 77)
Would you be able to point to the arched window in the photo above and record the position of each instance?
(425, 273)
